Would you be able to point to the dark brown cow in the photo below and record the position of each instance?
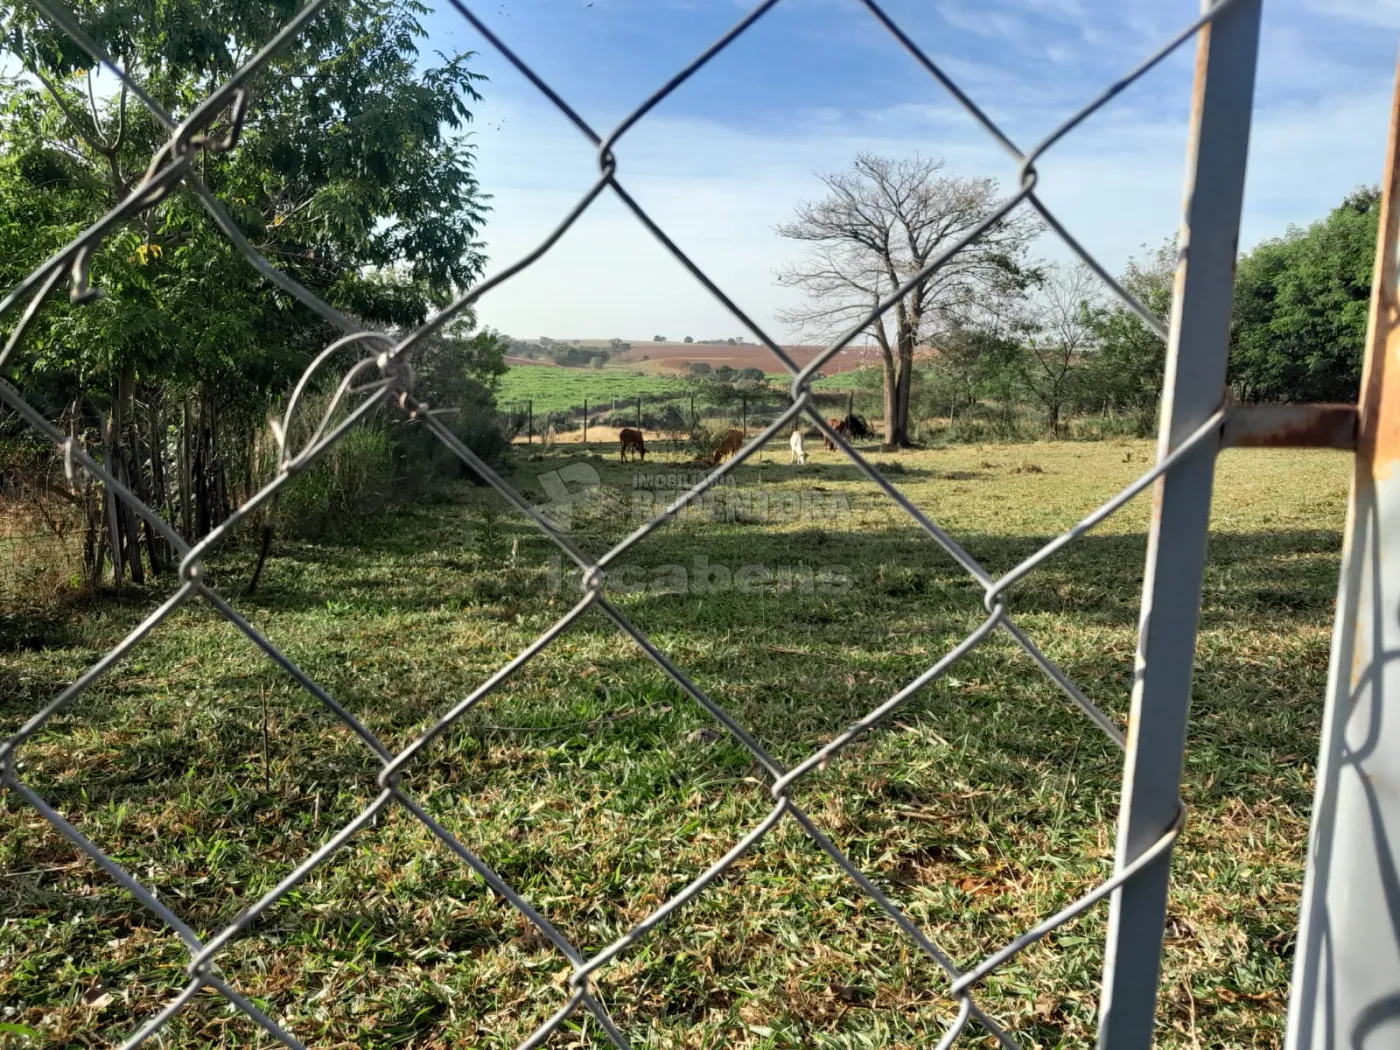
(842, 427)
(852, 426)
(732, 443)
(632, 439)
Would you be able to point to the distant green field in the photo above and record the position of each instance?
(855, 379)
(852, 379)
(560, 389)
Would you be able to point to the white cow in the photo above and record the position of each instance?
(799, 454)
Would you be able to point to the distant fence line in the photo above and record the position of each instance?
(677, 411)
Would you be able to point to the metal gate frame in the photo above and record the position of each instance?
(1346, 976)
(1346, 979)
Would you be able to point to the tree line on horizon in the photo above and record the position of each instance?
(997, 333)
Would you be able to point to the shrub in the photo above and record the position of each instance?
(351, 481)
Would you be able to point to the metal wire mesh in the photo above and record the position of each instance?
(385, 377)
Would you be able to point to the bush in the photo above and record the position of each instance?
(351, 481)
(1098, 428)
(428, 462)
(383, 460)
(985, 427)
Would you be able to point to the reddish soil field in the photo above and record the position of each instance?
(677, 357)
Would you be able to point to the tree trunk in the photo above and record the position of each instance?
(143, 482)
(125, 456)
(92, 512)
(200, 467)
(109, 502)
(162, 482)
(891, 399)
(186, 504)
(897, 430)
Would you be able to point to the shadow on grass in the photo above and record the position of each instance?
(860, 615)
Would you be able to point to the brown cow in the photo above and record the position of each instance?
(732, 443)
(632, 439)
(842, 427)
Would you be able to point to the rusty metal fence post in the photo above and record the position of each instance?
(1346, 975)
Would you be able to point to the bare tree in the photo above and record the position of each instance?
(1060, 332)
(881, 224)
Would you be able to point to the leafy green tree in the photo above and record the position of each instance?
(351, 173)
(1059, 331)
(973, 364)
(1301, 304)
(1127, 369)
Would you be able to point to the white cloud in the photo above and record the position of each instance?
(719, 189)
(1382, 13)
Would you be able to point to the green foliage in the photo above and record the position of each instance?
(975, 365)
(352, 173)
(347, 485)
(461, 372)
(1301, 304)
(458, 376)
(1126, 371)
(671, 420)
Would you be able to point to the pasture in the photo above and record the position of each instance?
(596, 788)
(555, 389)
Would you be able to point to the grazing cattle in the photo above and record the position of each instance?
(632, 439)
(732, 443)
(841, 427)
(852, 426)
(857, 427)
(799, 454)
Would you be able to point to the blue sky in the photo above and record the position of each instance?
(729, 155)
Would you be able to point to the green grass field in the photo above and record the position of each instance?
(852, 379)
(594, 786)
(562, 389)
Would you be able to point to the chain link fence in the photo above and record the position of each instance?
(384, 376)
